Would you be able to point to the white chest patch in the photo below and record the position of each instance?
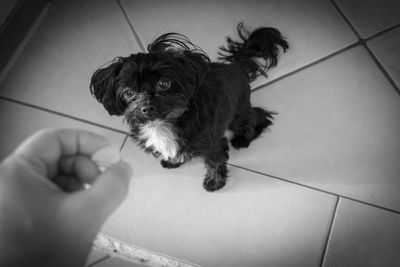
(161, 137)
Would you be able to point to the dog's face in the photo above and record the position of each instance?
(158, 85)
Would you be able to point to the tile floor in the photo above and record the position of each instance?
(320, 188)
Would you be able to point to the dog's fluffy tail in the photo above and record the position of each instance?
(261, 43)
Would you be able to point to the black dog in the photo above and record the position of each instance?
(179, 105)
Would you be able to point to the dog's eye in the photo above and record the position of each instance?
(128, 94)
(164, 84)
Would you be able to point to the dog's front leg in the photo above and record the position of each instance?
(215, 161)
(175, 162)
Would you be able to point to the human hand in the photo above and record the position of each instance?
(46, 216)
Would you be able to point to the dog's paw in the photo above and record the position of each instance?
(240, 142)
(212, 184)
(170, 165)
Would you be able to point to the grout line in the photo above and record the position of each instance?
(363, 42)
(306, 66)
(318, 189)
(360, 41)
(382, 69)
(99, 260)
(62, 114)
(123, 143)
(284, 180)
(136, 35)
(346, 19)
(329, 235)
(381, 32)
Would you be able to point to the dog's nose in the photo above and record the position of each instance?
(148, 110)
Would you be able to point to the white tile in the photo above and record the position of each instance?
(253, 221)
(370, 16)
(313, 28)
(73, 40)
(387, 49)
(337, 129)
(20, 121)
(364, 236)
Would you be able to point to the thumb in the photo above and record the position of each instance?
(108, 190)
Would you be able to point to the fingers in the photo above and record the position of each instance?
(82, 167)
(107, 191)
(64, 155)
(68, 183)
(74, 172)
(46, 147)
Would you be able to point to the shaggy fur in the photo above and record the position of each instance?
(178, 104)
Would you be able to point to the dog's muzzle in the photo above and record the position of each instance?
(148, 110)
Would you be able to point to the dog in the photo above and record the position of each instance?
(179, 105)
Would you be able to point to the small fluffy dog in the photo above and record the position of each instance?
(179, 105)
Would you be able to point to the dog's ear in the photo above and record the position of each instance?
(192, 58)
(103, 86)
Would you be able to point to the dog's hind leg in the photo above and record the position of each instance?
(248, 125)
(262, 119)
(217, 171)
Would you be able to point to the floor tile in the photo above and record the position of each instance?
(313, 28)
(387, 49)
(370, 16)
(94, 256)
(118, 262)
(364, 236)
(252, 221)
(73, 40)
(337, 130)
(22, 121)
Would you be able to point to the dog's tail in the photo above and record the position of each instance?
(261, 43)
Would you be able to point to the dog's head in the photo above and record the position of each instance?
(155, 85)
